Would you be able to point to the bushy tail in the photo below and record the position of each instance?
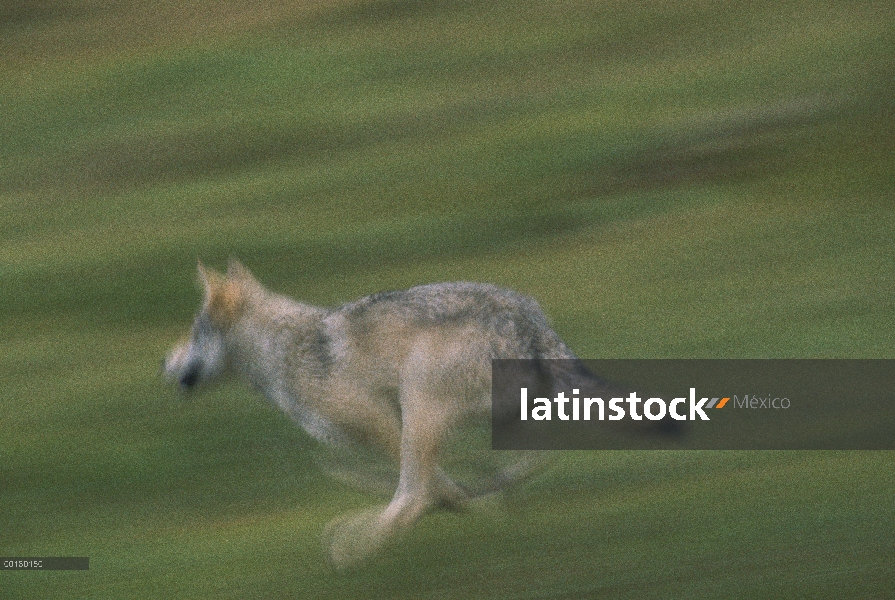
(561, 371)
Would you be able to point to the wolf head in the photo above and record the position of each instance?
(203, 355)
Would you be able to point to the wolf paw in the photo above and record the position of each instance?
(352, 538)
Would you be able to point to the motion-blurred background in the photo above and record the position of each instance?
(669, 179)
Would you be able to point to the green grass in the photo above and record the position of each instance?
(667, 179)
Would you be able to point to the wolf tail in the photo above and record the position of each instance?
(550, 368)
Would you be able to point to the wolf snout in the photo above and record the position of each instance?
(185, 376)
(189, 378)
(177, 368)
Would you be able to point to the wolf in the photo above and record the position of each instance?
(395, 371)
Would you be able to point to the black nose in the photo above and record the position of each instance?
(191, 376)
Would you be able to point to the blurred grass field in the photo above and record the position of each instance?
(692, 179)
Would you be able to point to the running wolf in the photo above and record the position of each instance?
(396, 371)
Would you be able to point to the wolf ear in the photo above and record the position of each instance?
(224, 297)
(236, 271)
(208, 278)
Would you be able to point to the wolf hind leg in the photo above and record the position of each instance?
(510, 475)
(449, 494)
(421, 481)
(421, 486)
